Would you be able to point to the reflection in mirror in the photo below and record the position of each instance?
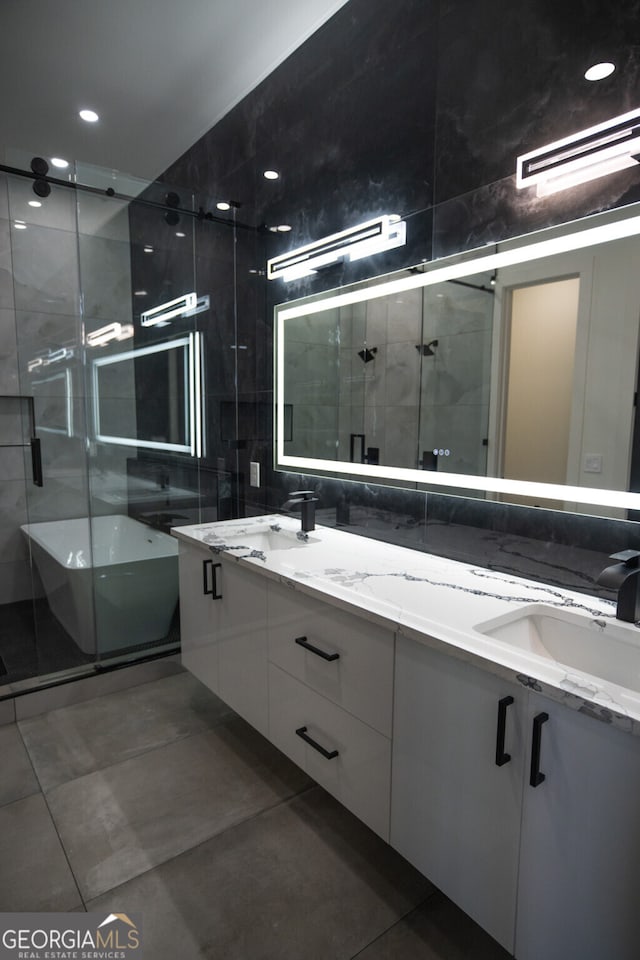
(517, 380)
(171, 418)
(53, 402)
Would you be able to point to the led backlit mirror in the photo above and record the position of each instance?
(171, 418)
(508, 372)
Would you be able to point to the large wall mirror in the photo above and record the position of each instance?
(171, 417)
(508, 372)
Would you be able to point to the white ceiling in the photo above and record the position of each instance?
(159, 73)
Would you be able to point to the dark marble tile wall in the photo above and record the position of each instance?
(419, 107)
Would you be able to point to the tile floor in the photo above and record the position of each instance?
(158, 800)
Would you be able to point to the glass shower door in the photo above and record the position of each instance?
(48, 369)
(144, 412)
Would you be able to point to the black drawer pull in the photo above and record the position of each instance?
(328, 754)
(215, 595)
(205, 580)
(501, 756)
(206, 589)
(303, 642)
(536, 777)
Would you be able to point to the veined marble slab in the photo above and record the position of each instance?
(430, 599)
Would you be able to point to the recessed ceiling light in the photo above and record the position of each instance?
(34, 203)
(179, 233)
(599, 71)
(20, 225)
(148, 249)
(59, 162)
(271, 175)
(283, 228)
(89, 115)
(140, 293)
(223, 205)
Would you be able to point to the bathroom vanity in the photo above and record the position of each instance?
(486, 726)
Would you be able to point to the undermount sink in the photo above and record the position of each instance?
(266, 541)
(604, 648)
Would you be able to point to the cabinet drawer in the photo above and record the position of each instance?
(359, 776)
(359, 678)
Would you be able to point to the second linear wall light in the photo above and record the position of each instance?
(591, 153)
(364, 240)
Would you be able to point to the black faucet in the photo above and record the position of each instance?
(307, 503)
(624, 576)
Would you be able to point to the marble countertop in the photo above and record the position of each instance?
(428, 598)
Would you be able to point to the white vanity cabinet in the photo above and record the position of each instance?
(330, 697)
(223, 617)
(562, 856)
(455, 813)
(579, 881)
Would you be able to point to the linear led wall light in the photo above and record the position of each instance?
(168, 311)
(185, 306)
(374, 236)
(595, 152)
(112, 331)
(53, 356)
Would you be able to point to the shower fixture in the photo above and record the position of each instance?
(367, 354)
(427, 349)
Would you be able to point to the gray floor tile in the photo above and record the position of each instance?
(88, 736)
(303, 881)
(436, 930)
(34, 873)
(18, 779)
(118, 822)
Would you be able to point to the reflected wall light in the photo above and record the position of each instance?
(591, 153)
(168, 311)
(105, 335)
(187, 305)
(364, 240)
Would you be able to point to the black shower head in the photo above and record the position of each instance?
(366, 355)
(427, 349)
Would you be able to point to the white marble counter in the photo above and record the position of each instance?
(430, 599)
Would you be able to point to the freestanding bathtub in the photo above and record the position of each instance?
(126, 568)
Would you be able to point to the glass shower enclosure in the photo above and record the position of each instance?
(102, 434)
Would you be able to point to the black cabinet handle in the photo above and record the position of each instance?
(215, 595)
(501, 756)
(36, 461)
(205, 580)
(303, 642)
(536, 777)
(213, 590)
(327, 754)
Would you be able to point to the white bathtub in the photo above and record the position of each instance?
(130, 570)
